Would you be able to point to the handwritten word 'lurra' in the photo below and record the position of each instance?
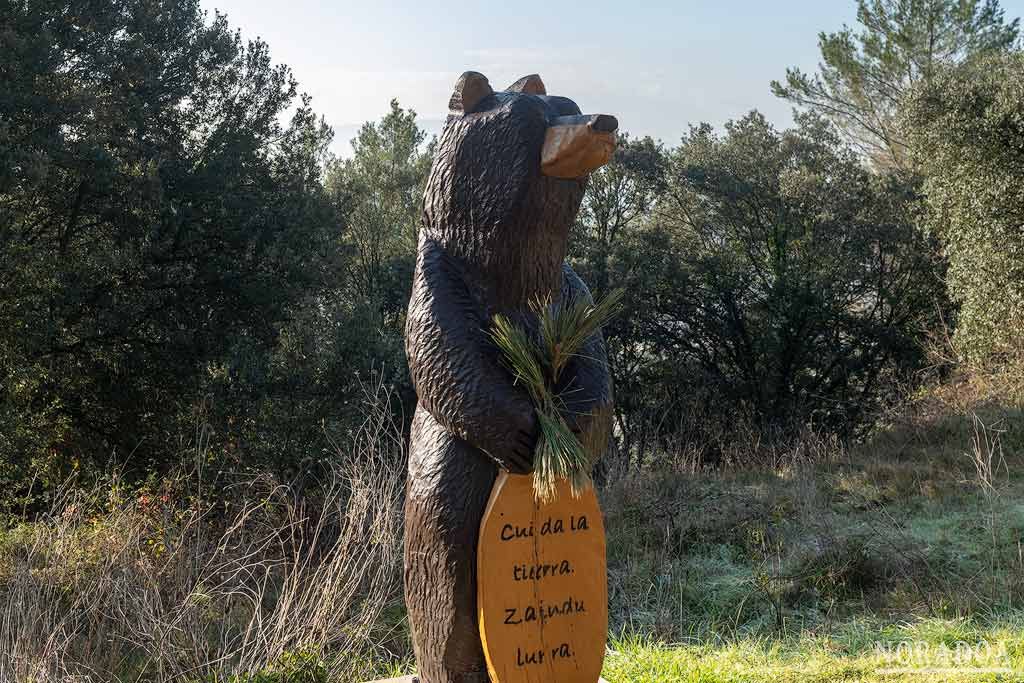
(532, 572)
(543, 612)
(537, 657)
(551, 526)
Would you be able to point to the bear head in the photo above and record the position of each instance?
(508, 176)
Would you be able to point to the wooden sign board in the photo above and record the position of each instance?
(542, 585)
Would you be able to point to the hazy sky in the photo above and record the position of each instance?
(657, 66)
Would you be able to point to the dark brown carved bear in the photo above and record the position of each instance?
(507, 180)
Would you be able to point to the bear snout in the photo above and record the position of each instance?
(576, 145)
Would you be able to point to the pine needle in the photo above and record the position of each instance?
(563, 329)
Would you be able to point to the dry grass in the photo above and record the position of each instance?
(165, 588)
(919, 520)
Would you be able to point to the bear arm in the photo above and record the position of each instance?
(456, 370)
(586, 385)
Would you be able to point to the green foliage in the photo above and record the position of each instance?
(968, 134)
(801, 281)
(619, 195)
(155, 214)
(610, 247)
(346, 333)
(380, 189)
(771, 282)
(864, 76)
(186, 271)
(176, 255)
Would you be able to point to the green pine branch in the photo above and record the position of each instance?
(537, 363)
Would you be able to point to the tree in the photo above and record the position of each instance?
(968, 136)
(604, 247)
(802, 279)
(619, 196)
(348, 333)
(863, 77)
(283, 408)
(155, 216)
(380, 189)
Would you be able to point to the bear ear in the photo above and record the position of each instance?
(531, 85)
(469, 90)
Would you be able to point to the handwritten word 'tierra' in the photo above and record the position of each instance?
(534, 572)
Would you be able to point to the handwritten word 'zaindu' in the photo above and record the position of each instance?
(551, 526)
(537, 657)
(543, 612)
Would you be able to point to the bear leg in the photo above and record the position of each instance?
(447, 491)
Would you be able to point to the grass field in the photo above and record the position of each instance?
(896, 559)
(928, 650)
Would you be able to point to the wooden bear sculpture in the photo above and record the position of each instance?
(506, 183)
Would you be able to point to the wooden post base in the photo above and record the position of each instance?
(413, 679)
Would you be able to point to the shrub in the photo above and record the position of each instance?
(968, 136)
(799, 279)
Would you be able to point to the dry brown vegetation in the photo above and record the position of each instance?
(162, 587)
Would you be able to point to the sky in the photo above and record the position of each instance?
(658, 66)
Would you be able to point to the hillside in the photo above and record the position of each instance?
(886, 560)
